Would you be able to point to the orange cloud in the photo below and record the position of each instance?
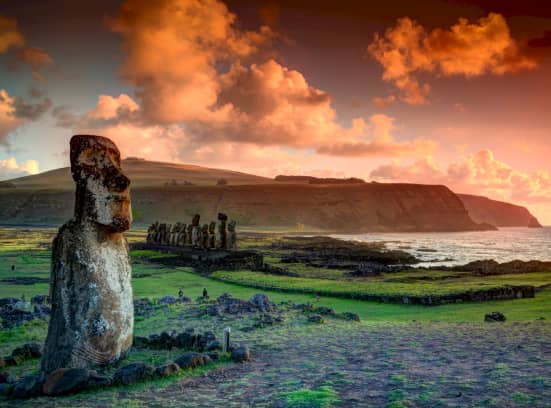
(465, 49)
(9, 168)
(10, 36)
(479, 173)
(8, 120)
(172, 50)
(36, 57)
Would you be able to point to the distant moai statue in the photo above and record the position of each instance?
(174, 234)
(205, 236)
(222, 232)
(196, 231)
(166, 239)
(189, 234)
(182, 235)
(232, 236)
(212, 235)
(150, 233)
(92, 309)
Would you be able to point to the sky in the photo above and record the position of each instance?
(437, 92)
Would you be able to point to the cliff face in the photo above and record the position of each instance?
(498, 213)
(343, 208)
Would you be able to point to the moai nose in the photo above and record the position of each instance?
(119, 182)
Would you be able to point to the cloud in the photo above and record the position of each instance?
(385, 102)
(9, 168)
(16, 111)
(174, 64)
(478, 173)
(10, 36)
(8, 120)
(465, 49)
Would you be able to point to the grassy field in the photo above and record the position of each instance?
(397, 356)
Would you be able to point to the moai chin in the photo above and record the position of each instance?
(92, 310)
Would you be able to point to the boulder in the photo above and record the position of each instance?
(39, 299)
(240, 354)
(8, 301)
(315, 318)
(98, 381)
(132, 373)
(28, 387)
(325, 311)
(28, 350)
(167, 370)
(185, 339)
(494, 317)
(13, 360)
(6, 378)
(262, 303)
(213, 345)
(350, 316)
(167, 300)
(6, 389)
(66, 381)
(190, 360)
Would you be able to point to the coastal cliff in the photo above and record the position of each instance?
(498, 213)
(173, 192)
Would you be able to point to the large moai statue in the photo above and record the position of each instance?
(222, 232)
(205, 236)
(232, 236)
(92, 311)
(212, 235)
(150, 233)
(196, 231)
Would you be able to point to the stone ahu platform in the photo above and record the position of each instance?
(204, 260)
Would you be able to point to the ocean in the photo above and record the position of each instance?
(456, 248)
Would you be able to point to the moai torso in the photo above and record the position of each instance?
(222, 232)
(232, 236)
(196, 231)
(212, 235)
(205, 236)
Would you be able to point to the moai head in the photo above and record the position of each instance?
(222, 217)
(212, 227)
(102, 190)
(231, 225)
(195, 221)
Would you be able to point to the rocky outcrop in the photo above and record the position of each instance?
(92, 311)
(498, 213)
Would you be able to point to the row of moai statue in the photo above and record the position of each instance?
(207, 236)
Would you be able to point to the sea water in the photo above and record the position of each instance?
(456, 248)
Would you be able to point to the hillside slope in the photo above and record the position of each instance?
(145, 173)
(498, 213)
(161, 191)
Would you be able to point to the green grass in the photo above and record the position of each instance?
(378, 287)
(323, 397)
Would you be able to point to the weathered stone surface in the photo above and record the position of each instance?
(190, 360)
(222, 238)
(66, 381)
(494, 317)
(262, 302)
(28, 387)
(6, 378)
(39, 299)
(241, 354)
(90, 290)
(132, 373)
(315, 318)
(350, 316)
(28, 350)
(232, 236)
(167, 300)
(13, 360)
(167, 370)
(98, 381)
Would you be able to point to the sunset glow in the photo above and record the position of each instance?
(390, 92)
